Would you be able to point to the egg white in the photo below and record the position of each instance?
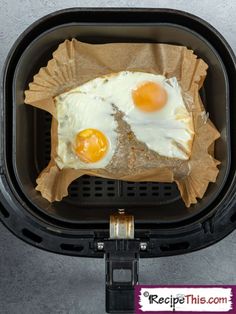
(75, 112)
(168, 131)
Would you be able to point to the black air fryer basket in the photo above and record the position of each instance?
(83, 224)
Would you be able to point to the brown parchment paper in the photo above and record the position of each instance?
(75, 63)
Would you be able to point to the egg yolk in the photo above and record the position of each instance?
(91, 145)
(149, 97)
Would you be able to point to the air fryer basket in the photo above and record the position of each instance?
(79, 224)
(91, 197)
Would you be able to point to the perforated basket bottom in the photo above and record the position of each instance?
(94, 190)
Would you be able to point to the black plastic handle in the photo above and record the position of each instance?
(121, 274)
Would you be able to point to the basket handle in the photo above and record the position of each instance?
(121, 258)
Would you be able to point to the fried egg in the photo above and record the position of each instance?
(87, 135)
(151, 104)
